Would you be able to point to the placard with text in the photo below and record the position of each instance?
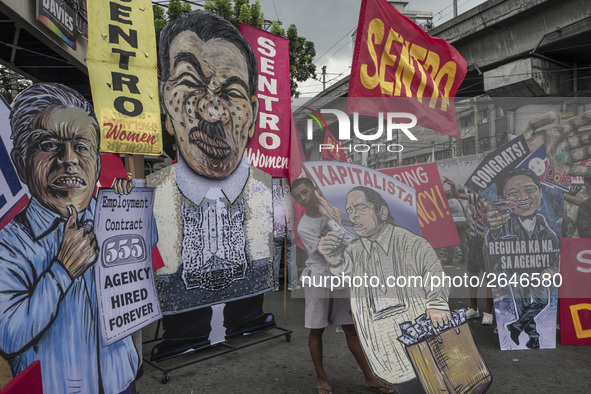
(124, 274)
(435, 218)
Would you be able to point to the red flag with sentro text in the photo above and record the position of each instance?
(396, 64)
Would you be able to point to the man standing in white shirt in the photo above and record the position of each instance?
(323, 306)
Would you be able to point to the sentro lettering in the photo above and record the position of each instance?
(416, 69)
(120, 31)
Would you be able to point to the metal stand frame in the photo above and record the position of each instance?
(228, 348)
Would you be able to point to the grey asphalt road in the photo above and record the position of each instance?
(279, 366)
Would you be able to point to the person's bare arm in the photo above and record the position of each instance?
(573, 199)
(454, 191)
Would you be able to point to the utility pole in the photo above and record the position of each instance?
(323, 77)
(455, 8)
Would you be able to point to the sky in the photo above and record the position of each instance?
(330, 23)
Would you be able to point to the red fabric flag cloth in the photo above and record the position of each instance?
(112, 167)
(268, 149)
(334, 152)
(296, 158)
(345, 157)
(296, 153)
(28, 381)
(394, 57)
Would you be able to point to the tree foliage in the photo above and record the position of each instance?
(175, 9)
(237, 11)
(159, 17)
(11, 83)
(301, 58)
(301, 51)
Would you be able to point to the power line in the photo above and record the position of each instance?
(330, 80)
(460, 5)
(161, 3)
(276, 13)
(440, 11)
(334, 53)
(335, 44)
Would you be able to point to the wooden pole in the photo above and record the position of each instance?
(285, 280)
(135, 165)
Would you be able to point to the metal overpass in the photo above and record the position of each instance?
(31, 49)
(513, 48)
(548, 42)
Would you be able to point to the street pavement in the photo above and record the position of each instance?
(279, 366)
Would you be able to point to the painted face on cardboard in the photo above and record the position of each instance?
(63, 166)
(523, 190)
(208, 105)
(362, 214)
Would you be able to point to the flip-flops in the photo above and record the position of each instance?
(324, 390)
(378, 389)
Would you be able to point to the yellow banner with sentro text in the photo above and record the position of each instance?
(122, 67)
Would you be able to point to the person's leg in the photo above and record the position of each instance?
(315, 345)
(475, 266)
(522, 301)
(450, 254)
(473, 291)
(316, 319)
(279, 240)
(531, 302)
(461, 227)
(292, 268)
(371, 380)
(489, 301)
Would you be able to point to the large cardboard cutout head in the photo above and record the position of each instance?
(56, 146)
(523, 187)
(208, 91)
(368, 211)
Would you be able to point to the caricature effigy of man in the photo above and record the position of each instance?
(522, 225)
(385, 250)
(48, 302)
(213, 210)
